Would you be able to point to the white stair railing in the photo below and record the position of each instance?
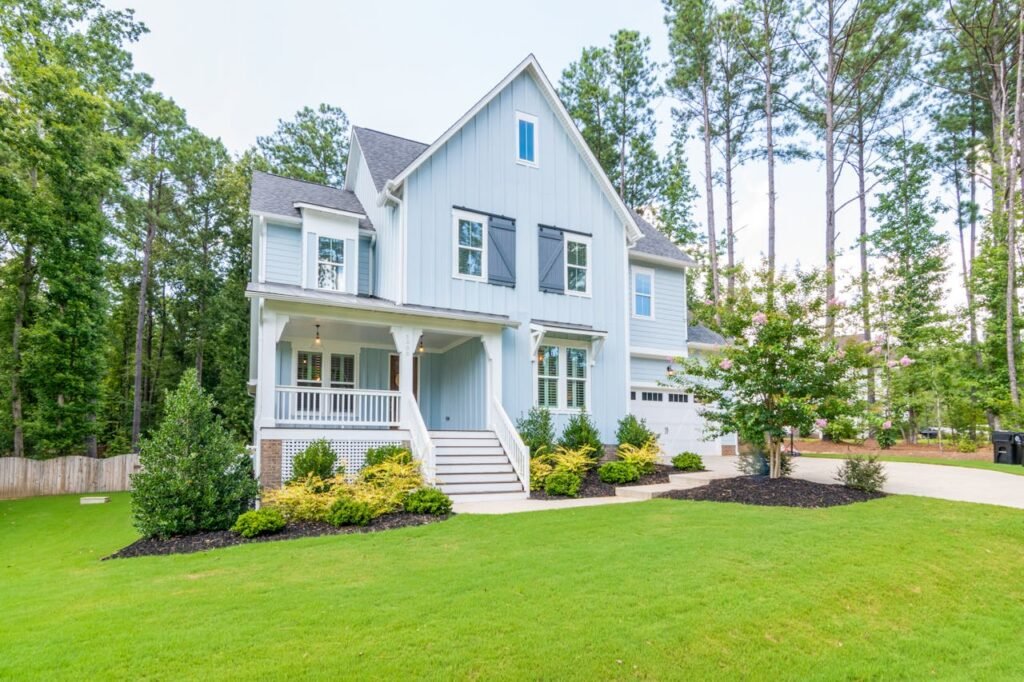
(419, 438)
(508, 436)
(317, 406)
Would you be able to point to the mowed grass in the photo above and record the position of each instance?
(901, 587)
(1014, 469)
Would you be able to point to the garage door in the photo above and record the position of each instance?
(673, 416)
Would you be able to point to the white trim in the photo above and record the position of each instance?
(277, 217)
(588, 243)
(417, 371)
(292, 433)
(530, 64)
(327, 349)
(661, 260)
(531, 119)
(262, 255)
(633, 272)
(562, 376)
(457, 215)
(324, 209)
(696, 345)
(657, 353)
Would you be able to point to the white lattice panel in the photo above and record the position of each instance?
(350, 453)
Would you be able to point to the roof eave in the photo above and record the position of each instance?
(661, 260)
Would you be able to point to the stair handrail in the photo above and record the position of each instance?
(422, 444)
(516, 450)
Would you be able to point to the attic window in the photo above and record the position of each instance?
(526, 139)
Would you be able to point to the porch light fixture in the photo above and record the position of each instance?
(421, 349)
(669, 371)
(316, 339)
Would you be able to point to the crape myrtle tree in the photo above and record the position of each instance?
(779, 371)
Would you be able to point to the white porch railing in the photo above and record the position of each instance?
(422, 445)
(508, 436)
(315, 406)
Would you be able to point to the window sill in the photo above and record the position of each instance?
(469, 278)
(578, 294)
(528, 164)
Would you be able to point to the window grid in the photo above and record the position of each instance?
(343, 370)
(547, 376)
(678, 398)
(577, 266)
(652, 396)
(309, 368)
(576, 378)
(471, 248)
(643, 294)
(331, 263)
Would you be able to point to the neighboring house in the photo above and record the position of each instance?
(448, 288)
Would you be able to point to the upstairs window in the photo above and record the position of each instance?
(470, 246)
(331, 264)
(526, 139)
(643, 292)
(577, 265)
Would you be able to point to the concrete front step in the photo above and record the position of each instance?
(461, 434)
(477, 478)
(702, 476)
(697, 479)
(466, 443)
(469, 450)
(505, 468)
(489, 497)
(471, 459)
(473, 488)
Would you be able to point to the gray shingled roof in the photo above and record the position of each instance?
(698, 333)
(655, 243)
(386, 155)
(276, 194)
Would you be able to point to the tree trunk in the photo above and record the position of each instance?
(710, 199)
(830, 181)
(140, 320)
(730, 253)
(1011, 254)
(770, 147)
(865, 289)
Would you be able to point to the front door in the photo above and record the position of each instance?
(393, 381)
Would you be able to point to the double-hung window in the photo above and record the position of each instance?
(343, 370)
(331, 264)
(470, 246)
(577, 265)
(643, 293)
(562, 376)
(526, 139)
(309, 368)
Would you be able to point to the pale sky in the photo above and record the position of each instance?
(413, 68)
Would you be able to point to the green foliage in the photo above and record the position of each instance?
(563, 460)
(841, 429)
(966, 445)
(386, 484)
(194, 476)
(307, 499)
(564, 483)
(313, 146)
(862, 473)
(618, 471)
(346, 511)
(388, 453)
(644, 459)
(580, 432)
(540, 469)
(428, 501)
(316, 460)
(633, 431)
(257, 522)
(688, 461)
(886, 437)
(537, 431)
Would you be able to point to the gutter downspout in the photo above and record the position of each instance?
(387, 195)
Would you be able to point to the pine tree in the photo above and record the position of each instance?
(313, 146)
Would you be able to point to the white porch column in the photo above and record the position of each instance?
(405, 339)
(492, 350)
(271, 328)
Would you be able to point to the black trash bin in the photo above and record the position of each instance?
(1016, 448)
(1003, 448)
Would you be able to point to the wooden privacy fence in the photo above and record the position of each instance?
(20, 477)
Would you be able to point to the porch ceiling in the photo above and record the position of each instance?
(370, 335)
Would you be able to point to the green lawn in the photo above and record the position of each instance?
(1015, 469)
(902, 587)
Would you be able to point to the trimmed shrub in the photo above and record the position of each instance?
(618, 472)
(309, 499)
(563, 483)
(886, 438)
(317, 459)
(263, 521)
(966, 445)
(537, 431)
(428, 501)
(347, 511)
(388, 453)
(194, 476)
(862, 473)
(642, 458)
(634, 432)
(688, 461)
(540, 469)
(840, 429)
(756, 464)
(385, 485)
(580, 432)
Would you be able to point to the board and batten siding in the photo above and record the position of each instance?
(385, 271)
(453, 387)
(477, 169)
(365, 259)
(667, 329)
(650, 371)
(283, 257)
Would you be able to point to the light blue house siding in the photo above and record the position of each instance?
(283, 260)
(385, 273)
(650, 370)
(477, 169)
(667, 329)
(365, 259)
(453, 388)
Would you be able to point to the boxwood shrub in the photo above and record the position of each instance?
(618, 472)
(428, 501)
(388, 453)
(688, 461)
(349, 512)
(257, 522)
(563, 483)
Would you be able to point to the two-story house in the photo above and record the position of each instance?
(448, 288)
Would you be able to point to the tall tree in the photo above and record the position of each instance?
(313, 146)
(691, 79)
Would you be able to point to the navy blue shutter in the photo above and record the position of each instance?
(551, 249)
(501, 254)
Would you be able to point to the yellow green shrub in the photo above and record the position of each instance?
(643, 458)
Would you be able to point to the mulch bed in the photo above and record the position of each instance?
(200, 542)
(593, 486)
(783, 492)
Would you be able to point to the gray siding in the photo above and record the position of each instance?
(284, 254)
(365, 258)
(667, 331)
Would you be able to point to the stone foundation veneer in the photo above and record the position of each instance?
(270, 464)
(728, 450)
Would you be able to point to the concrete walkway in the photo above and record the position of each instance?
(516, 506)
(905, 478)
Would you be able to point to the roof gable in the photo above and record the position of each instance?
(656, 244)
(386, 155)
(277, 195)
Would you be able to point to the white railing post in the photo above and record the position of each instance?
(300, 405)
(508, 436)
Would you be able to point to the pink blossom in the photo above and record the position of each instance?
(835, 302)
(877, 350)
(892, 363)
(760, 318)
(905, 361)
(880, 337)
(841, 353)
(821, 423)
(725, 364)
(708, 301)
(887, 424)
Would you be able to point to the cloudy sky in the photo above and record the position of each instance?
(413, 68)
